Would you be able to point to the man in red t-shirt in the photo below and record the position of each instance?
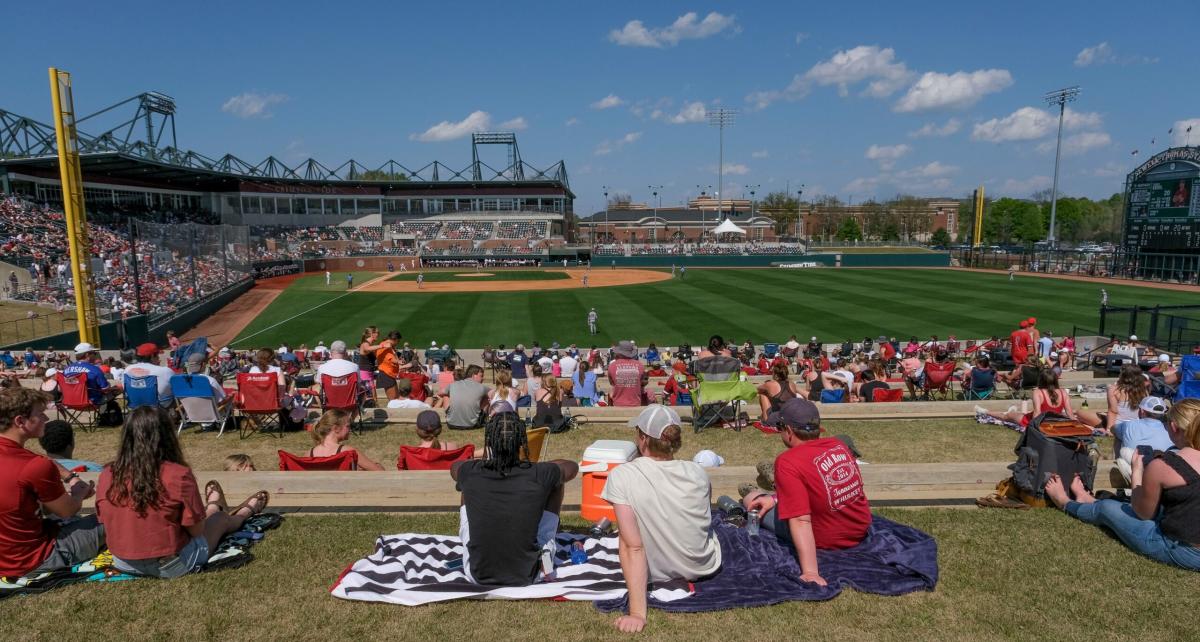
(27, 542)
(625, 376)
(820, 500)
(1020, 342)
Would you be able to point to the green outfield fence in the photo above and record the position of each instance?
(1118, 264)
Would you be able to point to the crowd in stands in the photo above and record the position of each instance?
(522, 229)
(469, 230)
(708, 248)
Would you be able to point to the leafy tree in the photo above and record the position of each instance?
(849, 230)
(782, 208)
(940, 237)
(381, 175)
(890, 230)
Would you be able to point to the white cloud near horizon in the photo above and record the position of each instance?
(686, 27)
(949, 128)
(887, 155)
(1078, 143)
(252, 104)
(1031, 123)
(608, 102)
(609, 146)
(952, 91)
(476, 121)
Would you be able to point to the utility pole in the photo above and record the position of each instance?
(720, 118)
(1058, 97)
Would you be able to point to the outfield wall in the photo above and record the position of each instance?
(930, 259)
(354, 263)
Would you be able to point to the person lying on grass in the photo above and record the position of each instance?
(330, 434)
(1163, 521)
(510, 505)
(820, 503)
(663, 513)
(156, 522)
(1050, 397)
(31, 486)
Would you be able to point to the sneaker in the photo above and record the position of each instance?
(1116, 479)
(1012, 409)
(766, 475)
(980, 410)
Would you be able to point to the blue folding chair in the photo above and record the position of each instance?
(198, 402)
(770, 350)
(141, 391)
(833, 396)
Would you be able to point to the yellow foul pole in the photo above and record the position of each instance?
(977, 239)
(72, 189)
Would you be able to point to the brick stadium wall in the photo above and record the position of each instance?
(352, 263)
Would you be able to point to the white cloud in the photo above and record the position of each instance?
(690, 113)
(516, 124)
(950, 127)
(802, 36)
(763, 99)
(1026, 187)
(685, 27)
(572, 121)
(1097, 55)
(1031, 123)
(935, 169)
(252, 104)
(1181, 136)
(476, 121)
(887, 154)
(736, 169)
(1078, 143)
(762, 153)
(960, 89)
(609, 146)
(856, 65)
(608, 102)
(862, 185)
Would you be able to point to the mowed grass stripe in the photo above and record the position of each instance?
(761, 305)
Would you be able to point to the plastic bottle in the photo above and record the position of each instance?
(752, 524)
(578, 555)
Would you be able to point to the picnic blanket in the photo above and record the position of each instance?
(894, 559)
(411, 569)
(232, 552)
(996, 421)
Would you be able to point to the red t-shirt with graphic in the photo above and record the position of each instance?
(26, 479)
(625, 375)
(821, 478)
(1021, 343)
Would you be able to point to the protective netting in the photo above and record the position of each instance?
(182, 263)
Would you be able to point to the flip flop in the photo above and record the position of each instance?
(215, 486)
(262, 494)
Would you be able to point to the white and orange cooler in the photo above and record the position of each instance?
(600, 458)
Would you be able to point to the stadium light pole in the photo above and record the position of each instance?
(720, 118)
(1058, 97)
(655, 197)
(605, 209)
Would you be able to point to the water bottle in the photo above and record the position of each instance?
(752, 523)
(600, 529)
(730, 505)
(578, 555)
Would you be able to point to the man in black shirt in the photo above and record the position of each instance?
(517, 362)
(869, 385)
(510, 504)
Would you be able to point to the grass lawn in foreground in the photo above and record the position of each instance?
(756, 304)
(881, 442)
(1026, 575)
(470, 276)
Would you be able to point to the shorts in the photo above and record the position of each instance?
(547, 531)
(191, 558)
(384, 381)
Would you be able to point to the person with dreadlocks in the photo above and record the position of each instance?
(509, 503)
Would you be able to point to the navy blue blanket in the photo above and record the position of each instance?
(759, 571)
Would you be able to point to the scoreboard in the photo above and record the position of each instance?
(1162, 203)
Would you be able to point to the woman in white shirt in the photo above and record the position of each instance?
(264, 361)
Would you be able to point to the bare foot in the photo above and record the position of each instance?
(1056, 492)
(1079, 492)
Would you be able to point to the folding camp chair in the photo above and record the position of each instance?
(978, 395)
(720, 402)
(342, 461)
(343, 393)
(937, 379)
(141, 391)
(1189, 377)
(887, 395)
(257, 402)
(536, 439)
(770, 350)
(837, 395)
(198, 402)
(76, 405)
(413, 458)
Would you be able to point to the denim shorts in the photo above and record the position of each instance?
(190, 559)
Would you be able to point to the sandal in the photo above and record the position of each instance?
(260, 495)
(211, 487)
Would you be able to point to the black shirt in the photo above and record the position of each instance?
(516, 363)
(503, 513)
(867, 390)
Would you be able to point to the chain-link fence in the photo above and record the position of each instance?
(178, 265)
(1171, 268)
(1174, 328)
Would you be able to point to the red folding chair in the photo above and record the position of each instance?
(884, 395)
(414, 458)
(937, 378)
(76, 405)
(347, 460)
(343, 393)
(257, 402)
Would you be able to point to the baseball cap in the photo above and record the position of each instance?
(433, 344)
(51, 372)
(84, 348)
(799, 413)
(708, 459)
(428, 420)
(1153, 405)
(1032, 321)
(225, 352)
(1025, 323)
(147, 350)
(1133, 337)
(1164, 358)
(655, 419)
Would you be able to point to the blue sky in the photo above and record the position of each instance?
(854, 100)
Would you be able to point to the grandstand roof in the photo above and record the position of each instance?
(672, 215)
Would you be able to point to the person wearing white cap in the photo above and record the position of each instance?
(1166, 373)
(99, 389)
(663, 513)
(708, 459)
(1146, 430)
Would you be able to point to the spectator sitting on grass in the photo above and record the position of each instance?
(468, 399)
(99, 390)
(337, 365)
(841, 378)
(913, 366)
(239, 462)
(1125, 395)
(1146, 430)
(49, 385)
(981, 379)
(195, 367)
(1163, 520)
(429, 428)
(652, 355)
(773, 394)
(404, 397)
(58, 441)
(330, 434)
(866, 390)
(1024, 375)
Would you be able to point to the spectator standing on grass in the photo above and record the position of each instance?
(1020, 342)
(625, 376)
(31, 486)
(328, 276)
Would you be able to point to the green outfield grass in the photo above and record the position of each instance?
(756, 304)
(466, 276)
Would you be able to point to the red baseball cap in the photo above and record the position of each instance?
(1032, 321)
(147, 350)
(1025, 324)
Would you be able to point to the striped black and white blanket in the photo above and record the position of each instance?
(411, 569)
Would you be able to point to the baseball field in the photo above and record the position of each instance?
(470, 309)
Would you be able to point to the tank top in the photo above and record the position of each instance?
(548, 414)
(366, 360)
(815, 387)
(1181, 505)
(784, 395)
(1124, 412)
(1057, 408)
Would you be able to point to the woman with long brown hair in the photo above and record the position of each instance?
(1125, 395)
(156, 522)
(367, 346)
(777, 391)
(264, 362)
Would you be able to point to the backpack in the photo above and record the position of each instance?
(112, 415)
(1052, 444)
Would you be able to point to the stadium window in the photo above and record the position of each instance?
(348, 207)
(298, 206)
(231, 204)
(283, 205)
(314, 206)
(268, 205)
(250, 205)
(368, 206)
